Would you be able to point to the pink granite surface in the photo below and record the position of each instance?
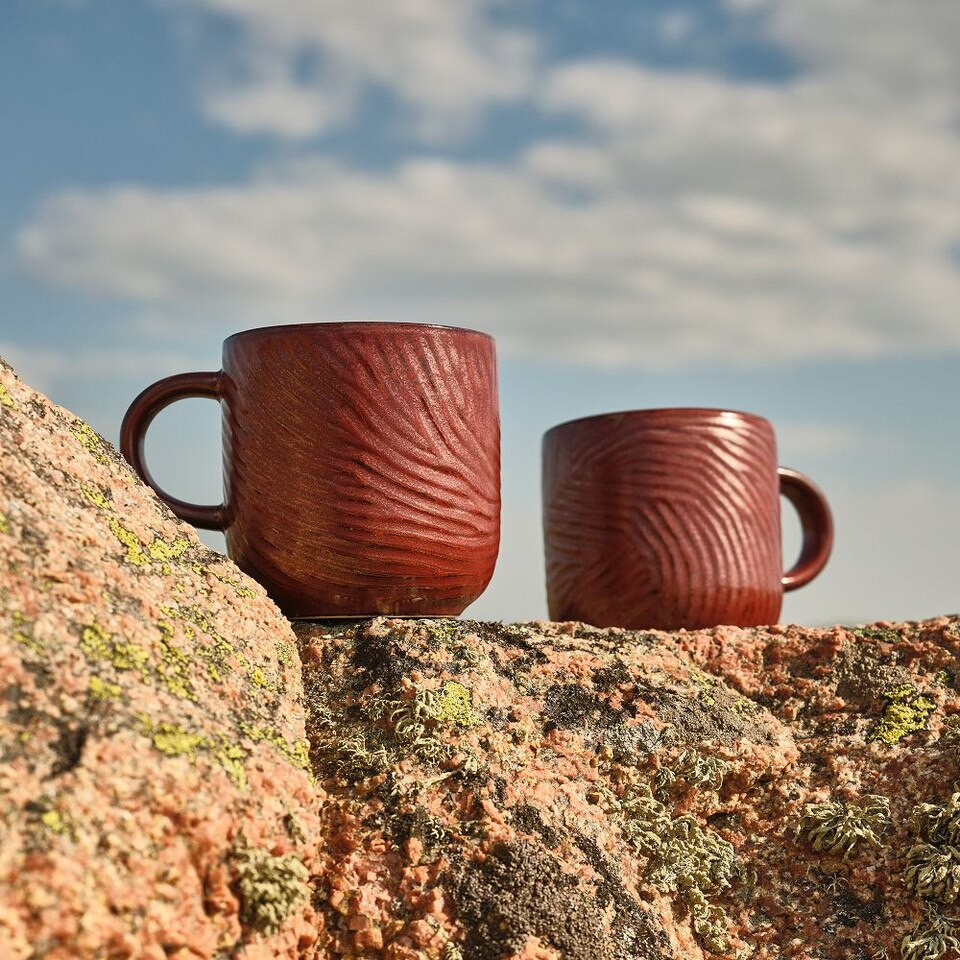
(154, 801)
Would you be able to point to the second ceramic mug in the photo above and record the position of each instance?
(361, 464)
(663, 519)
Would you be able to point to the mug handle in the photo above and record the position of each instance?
(817, 523)
(133, 432)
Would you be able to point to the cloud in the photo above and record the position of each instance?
(302, 66)
(693, 219)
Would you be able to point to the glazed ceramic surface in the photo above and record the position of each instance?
(663, 519)
(361, 464)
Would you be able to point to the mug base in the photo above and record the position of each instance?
(355, 617)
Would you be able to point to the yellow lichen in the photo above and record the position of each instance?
(173, 740)
(159, 551)
(90, 441)
(102, 690)
(906, 712)
(217, 653)
(162, 551)
(4, 523)
(174, 668)
(453, 703)
(6, 400)
(52, 820)
(23, 634)
(95, 495)
(296, 754)
(98, 645)
(705, 685)
(135, 552)
(231, 758)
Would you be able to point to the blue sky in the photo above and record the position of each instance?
(749, 204)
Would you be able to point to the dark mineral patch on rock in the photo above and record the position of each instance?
(570, 705)
(520, 891)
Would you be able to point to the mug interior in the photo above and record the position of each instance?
(373, 326)
(653, 414)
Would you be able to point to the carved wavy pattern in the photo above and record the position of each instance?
(663, 519)
(363, 467)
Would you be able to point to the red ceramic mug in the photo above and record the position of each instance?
(663, 519)
(361, 464)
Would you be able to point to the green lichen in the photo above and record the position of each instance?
(284, 654)
(90, 441)
(906, 712)
(445, 630)
(172, 670)
(357, 756)
(931, 939)
(701, 770)
(836, 828)
(414, 721)
(6, 400)
(270, 888)
(684, 858)
(174, 740)
(4, 523)
(102, 690)
(933, 859)
(705, 685)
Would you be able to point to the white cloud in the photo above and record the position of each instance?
(303, 65)
(696, 219)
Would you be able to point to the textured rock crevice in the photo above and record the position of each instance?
(183, 775)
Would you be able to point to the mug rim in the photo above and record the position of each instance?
(648, 412)
(398, 324)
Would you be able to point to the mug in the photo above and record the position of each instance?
(662, 519)
(361, 464)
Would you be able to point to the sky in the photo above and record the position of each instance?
(743, 204)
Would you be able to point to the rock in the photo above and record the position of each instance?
(554, 791)
(479, 791)
(154, 801)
